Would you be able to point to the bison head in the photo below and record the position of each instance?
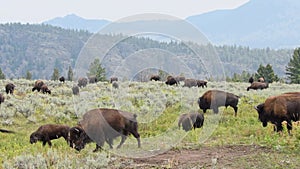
(261, 114)
(77, 138)
(34, 137)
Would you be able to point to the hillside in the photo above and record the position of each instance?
(41, 48)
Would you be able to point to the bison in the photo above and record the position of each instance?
(48, 132)
(75, 90)
(155, 77)
(38, 85)
(100, 125)
(171, 81)
(93, 79)
(201, 83)
(62, 79)
(191, 120)
(45, 89)
(82, 82)
(9, 88)
(2, 98)
(190, 83)
(258, 85)
(213, 99)
(276, 109)
(179, 78)
(113, 79)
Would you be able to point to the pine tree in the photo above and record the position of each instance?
(70, 74)
(293, 68)
(28, 75)
(55, 74)
(97, 70)
(2, 75)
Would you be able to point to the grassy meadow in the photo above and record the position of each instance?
(158, 107)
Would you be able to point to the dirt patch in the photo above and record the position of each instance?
(205, 157)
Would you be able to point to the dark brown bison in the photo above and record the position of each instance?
(45, 89)
(82, 82)
(201, 83)
(100, 125)
(113, 79)
(9, 88)
(93, 79)
(48, 132)
(190, 83)
(155, 77)
(258, 85)
(171, 81)
(38, 85)
(62, 79)
(213, 99)
(191, 120)
(276, 109)
(2, 98)
(251, 80)
(75, 90)
(179, 79)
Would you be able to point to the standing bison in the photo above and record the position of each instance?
(9, 88)
(2, 98)
(113, 79)
(201, 83)
(276, 109)
(213, 99)
(258, 85)
(62, 79)
(38, 85)
(155, 77)
(100, 125)
(93, 79)
(171, 81)
(75, 90)
(82, 82)
(48, 132)
(45, 89)
(191, 120)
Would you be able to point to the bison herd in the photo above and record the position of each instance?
(104, 125)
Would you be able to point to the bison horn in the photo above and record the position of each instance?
(76, 129)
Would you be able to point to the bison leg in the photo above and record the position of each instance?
(122, 140)
(289, 126)
(97, 148)
(216, 110)
(235, 111)
(110, 142)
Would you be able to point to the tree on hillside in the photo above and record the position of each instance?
(28, 75)
(267, 73)
(293, 68)
(55, 74)
(2, 75)
(70, 74)
(97, 70)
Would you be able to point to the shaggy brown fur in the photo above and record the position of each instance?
(48, 132)
(82, 82)
(155, 77)
(9, 88)
(100, 125)
(191, 120)
(38, 85)
(258, 85)
(45, 89)
(171, 81)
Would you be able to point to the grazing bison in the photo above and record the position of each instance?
(171, 81)
(191, 120)
(258, 85)
(100, 125)
(82, 82)
(179, 79)
(201, 83)
(75, 90)
(190, 83)
(213, 99)
(113, 79)
(9, 88)
(48, 132)
(2, 98)
(38, 85)
(155, 77)
(276, 109)
(45, 89)
(62, 79)
(93, 79)
(251, 80)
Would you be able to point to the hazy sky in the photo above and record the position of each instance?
(37, 11)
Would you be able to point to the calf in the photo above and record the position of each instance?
(48, 132)
(191, 120)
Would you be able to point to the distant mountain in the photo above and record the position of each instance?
(258, 23)
(75, 22)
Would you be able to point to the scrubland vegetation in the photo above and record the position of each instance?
(158, 107)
